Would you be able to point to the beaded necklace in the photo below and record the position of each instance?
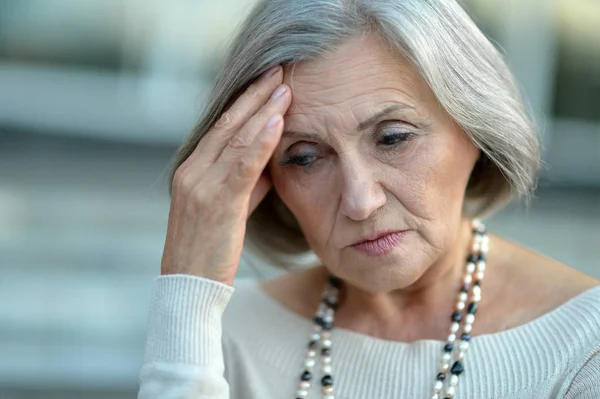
(453, 351)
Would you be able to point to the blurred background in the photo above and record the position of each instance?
(95, 97)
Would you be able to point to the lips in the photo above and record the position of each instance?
(384, 244)
(376, 236)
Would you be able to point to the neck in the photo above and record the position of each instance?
(418, 311)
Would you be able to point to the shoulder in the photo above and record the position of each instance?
(537, 279)
(523, 285)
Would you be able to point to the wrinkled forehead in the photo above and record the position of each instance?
(358, 77)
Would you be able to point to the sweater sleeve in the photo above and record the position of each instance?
(184, 356)
(586, 384)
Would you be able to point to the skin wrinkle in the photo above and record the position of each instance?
(357, 187)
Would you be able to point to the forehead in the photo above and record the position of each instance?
(362, 73)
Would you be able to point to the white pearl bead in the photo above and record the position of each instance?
(453, 380)
(462, 297)
(444, 367)
(309, 363)
(479, 275)
(446, 357)
(326, 343)
(435, 396)
(326, 359)
(438, 386)
(311, 353)
(470, 318)
(476, 290)
(326, 369)
(460, 355)
(328, 397)
(470, 267)
(476, 298)
(328, 318)
(327, 390)
(302, 393)
(451, 338)
(481, 265)
(305, 385)
(454, 327)
(315, 337)
(468, 328)
(460, 305)
(464, 345)
(450, 391)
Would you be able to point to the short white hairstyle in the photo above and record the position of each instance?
(466, 73)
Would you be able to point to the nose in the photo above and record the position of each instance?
(361, 194)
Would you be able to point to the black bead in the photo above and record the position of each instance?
(457, 368)
(334, 281)
(327, 381)
(327, 326)
(482, 257)
(306, 376)
(472, 258)
(326, 351)
(464, 288)
(448, 348)
(479, 231)
(319, 320)
(456, 316)
(465, 337)
(312, 344)
(441, 376)
(477, 283)
(472, 308)
(331, 303)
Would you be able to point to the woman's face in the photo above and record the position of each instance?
(367, 148)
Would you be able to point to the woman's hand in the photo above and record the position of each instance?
(221, 183)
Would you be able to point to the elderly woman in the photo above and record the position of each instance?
(377, 135)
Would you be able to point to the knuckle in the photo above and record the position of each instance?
(239, 144)
(199, 198)
(181, 180)
(226, 121)
(246, 167)
(254, 91)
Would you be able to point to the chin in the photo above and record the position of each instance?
(374, 277)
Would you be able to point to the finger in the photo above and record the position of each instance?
(262, 187)
(244, 174)
(243, 139)
(250, 102)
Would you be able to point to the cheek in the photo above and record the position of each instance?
(431, 181)
(309, 196)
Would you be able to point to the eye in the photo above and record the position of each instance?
(394, 137)
(300, 160)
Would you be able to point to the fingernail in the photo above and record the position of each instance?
(279, 92)
(272, 71)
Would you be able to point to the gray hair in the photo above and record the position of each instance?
(463, 69)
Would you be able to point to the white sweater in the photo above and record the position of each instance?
(205, 343)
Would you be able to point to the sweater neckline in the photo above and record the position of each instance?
(559, 316)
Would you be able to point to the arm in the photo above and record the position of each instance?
(586, 384)
(184, 356)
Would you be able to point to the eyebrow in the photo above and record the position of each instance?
(361, 126)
